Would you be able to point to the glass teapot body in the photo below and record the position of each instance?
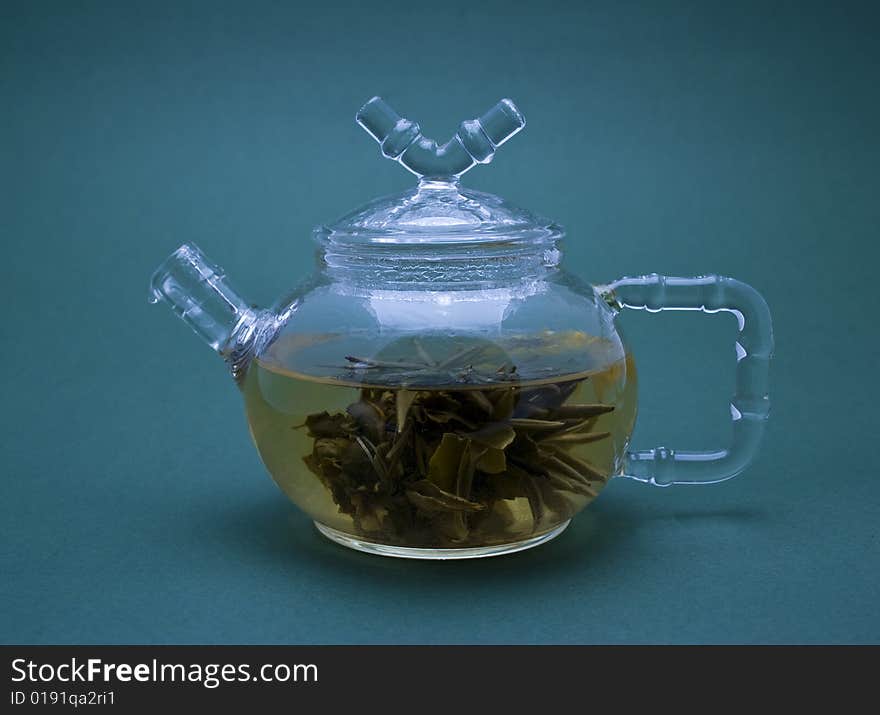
(442, 388)
(454, 415)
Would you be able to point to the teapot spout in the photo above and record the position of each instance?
(199, 294)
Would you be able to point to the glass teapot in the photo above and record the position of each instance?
(442, 387)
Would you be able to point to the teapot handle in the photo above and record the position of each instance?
(749, 406)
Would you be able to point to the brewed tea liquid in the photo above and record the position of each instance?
(422, 450)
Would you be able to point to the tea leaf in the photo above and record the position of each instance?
(528, 410)
(421, 454)
(403, 401)
(369, 417)
(330, 448)
(536, 499)
(533, 425)
(503, 404)
(375, 458)
(394, 454)
(480, 399)
(443, 466)
(492, 461)
(323, 424)
(560, 481)
(446, 417)
(577, 425)
(494, 435)
(576, 437)
(465, 477)
(505, 486)
(581, 411)
(579, 465)
(428, 497)
(566, 469)
(557, 501)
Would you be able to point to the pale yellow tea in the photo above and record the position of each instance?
(433, 452)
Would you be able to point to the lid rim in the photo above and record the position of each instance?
(549, 233)
(452, 217)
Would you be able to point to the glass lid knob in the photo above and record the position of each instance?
(474, 143)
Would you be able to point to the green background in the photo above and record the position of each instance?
(682, 138)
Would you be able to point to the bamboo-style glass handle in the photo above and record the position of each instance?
(750, 405)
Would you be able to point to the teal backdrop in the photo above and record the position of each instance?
(677, 137)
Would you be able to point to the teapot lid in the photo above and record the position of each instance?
(438, 210)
